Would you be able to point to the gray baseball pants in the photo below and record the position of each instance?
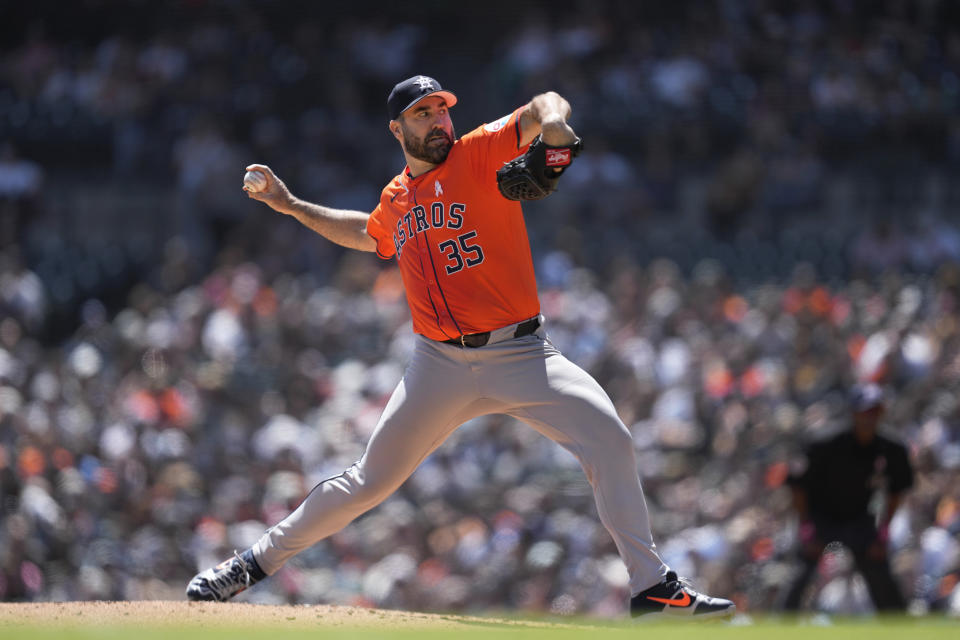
(445, 386)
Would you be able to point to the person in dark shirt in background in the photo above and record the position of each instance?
(832, 498)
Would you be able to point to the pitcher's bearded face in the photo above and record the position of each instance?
(427, 131)
(432, 148)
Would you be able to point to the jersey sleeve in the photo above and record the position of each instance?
(492, 144)
(378, 229)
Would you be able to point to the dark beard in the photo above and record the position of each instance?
(420, 149)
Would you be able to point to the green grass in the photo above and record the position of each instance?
(898, 628)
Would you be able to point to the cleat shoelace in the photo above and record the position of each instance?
(683, 585)
(231, 577)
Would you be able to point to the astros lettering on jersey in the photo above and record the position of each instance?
(462, 247)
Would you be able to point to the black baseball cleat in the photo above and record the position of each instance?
(675, 598)
(227, 579)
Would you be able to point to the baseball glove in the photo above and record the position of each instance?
(535, 174)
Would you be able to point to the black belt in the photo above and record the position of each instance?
(474, 340)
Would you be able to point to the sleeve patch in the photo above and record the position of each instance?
(496, 125)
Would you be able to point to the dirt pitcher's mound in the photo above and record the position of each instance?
(153, 614)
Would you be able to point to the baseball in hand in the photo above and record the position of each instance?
(254, 181)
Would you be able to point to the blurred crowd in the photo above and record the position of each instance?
(760, 219)
(723, 115)
(155, 442)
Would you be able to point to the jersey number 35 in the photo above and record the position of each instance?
(460, 253)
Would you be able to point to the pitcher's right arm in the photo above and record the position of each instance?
(343, 226)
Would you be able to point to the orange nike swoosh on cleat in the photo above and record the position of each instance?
(677, 602)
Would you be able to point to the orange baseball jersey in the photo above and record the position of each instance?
(462, 247)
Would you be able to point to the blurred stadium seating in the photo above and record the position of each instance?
(764, 214)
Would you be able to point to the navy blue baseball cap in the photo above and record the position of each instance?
(412, 90)
(864, 397)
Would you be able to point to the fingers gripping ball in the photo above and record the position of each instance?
(254, 181)
(535, 174)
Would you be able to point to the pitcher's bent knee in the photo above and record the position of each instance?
(608, 451)
(368, 490)
(612, 436)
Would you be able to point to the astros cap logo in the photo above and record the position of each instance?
(424, 83)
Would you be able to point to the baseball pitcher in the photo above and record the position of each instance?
(452, 219)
